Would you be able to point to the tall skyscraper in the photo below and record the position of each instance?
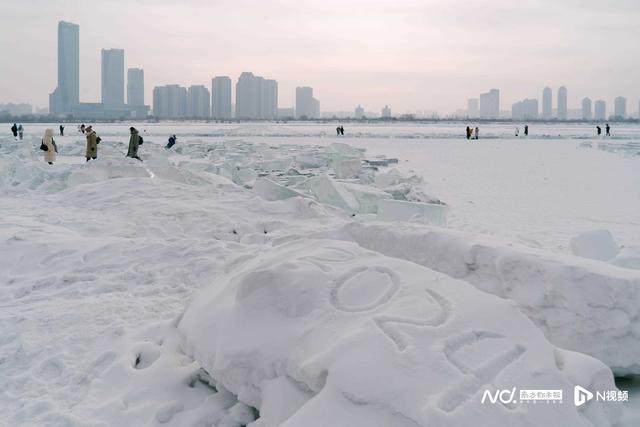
(620, 107)
(359, 112)
(600, 110)
(221, 97)
(586, 109)
(256, 98)
(386, 112)
(170, 102)
(306, 103)
(113, 78)
(67, 93)
(525, 110)
(135, 87)
(490, 104)
(473, 108)
(562, 103)
(198, 102)
(547, 106)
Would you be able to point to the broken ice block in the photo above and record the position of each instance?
(597, 244)
(329, 192)
(347, 168)
(271, 191)
(366, 196)
(400, 210)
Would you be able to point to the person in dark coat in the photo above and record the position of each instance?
(82, 128)
(341, 130)
(134, 142)
(14, 130)
(172, 142)
(608, 129)
(468, 132)
(61, 130)
(526, 130)
(338, 131)
(599, 130)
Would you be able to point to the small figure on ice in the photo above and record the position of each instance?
(476, 132)
(526, 130)
(599, 130)
(61, 130)
(135, 140)
(92, 143)
(20, 131)
(14, 130)
(468, 132)
(172, 141)
(48, 145)
(517, 131)
(607, 128)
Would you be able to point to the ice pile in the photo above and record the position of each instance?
(581, 305)
(323, 332)
(600, 245)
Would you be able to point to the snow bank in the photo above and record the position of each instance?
(580, 305)
(319, 333)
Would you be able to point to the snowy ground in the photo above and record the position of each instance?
(99, 261)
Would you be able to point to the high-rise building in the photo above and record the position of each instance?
(386, 112)
(525, 110)
(198, 102)
(359, 112)
(221, 97)
(307, 107)
(586, 109)
(490, 104)
(170, 102)
(562, 103)
(547, 103)
(113, 78)
(256, 98)
(600, 110)
(135, 87)
(67, 93)
(473, 108)
(620, 107)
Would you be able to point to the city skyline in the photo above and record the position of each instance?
(406, 66)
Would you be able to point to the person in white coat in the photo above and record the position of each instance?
(49, 147)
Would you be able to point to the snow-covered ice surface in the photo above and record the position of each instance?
(98, 262)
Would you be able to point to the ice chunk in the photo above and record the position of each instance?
(348, 337)
(628, 258)
(367, 197)
(309, 161)
(400, 210)
(269, 190)
(347, 168)
(597, 244)
(329, 192)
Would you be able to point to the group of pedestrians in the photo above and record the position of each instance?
(473, 133)
(526, 130)
(607, 128)
(340, 130)
(17, 131)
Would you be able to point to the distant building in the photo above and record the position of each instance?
(586, 109)
(256, 98)
(113, 78)
(525, 110)
(286, 113)
(221, 97)
(600, 110)
(359, 112)
(620, 107)
(198, 102)
(473, 108)
(16, 109)
(170, 102)
(386, 112)
(490, 104)
(306, 105)
(547, 106)
(135, 87)
(67, 93)
(562, 103)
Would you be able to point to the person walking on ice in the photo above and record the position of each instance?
(48, 145)
(92, 143)
(61, 130)
(135, 140)
(526, 130)
(599, 130)
(607, 128)
(172, 142)
(20, 131)
(14, 130)
(476, 131)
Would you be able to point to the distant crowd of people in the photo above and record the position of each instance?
(340, 130)
(472, 133)
(48, 144)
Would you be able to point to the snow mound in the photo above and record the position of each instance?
(579, 304)
(323, 332)
(597, 244)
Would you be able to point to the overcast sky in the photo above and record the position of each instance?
(412, 55)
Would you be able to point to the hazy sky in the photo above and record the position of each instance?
(418, 55)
